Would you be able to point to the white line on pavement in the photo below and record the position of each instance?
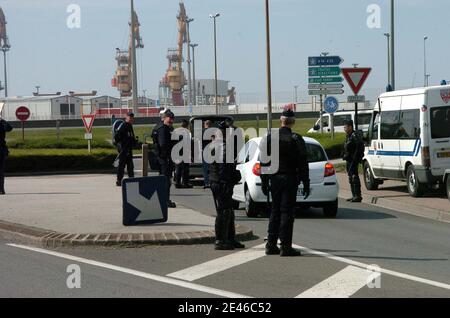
(341, 285)
(162, 279)
(220, 264)
(382, 270)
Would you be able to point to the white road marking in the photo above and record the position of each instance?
(382, 270)
(341, 285)
(162, 279)
(220, 264)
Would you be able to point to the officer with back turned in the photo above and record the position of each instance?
(283, 186)
(126, 140)
(353, 155)
(4, 128)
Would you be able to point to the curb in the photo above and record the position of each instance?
(402, 207)
(52, 239)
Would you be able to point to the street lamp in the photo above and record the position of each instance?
(188, 21)
(269, 74)
(425, 83)
(388, 36)
(392, 55)
(214, 17)
(193, 46)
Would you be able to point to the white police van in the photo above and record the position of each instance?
(340, 118)
(409, 139)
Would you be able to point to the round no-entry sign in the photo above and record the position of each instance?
(23, 113)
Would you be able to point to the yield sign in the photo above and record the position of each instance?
(88, 121)
(356, 77)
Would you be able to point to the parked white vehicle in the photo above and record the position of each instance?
(339, 120)
(324, 183)
(447, 177)
(409, 139)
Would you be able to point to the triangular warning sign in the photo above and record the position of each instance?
(88, 121)
(356, 77)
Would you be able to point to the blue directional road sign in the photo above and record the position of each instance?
(144, 200)
(325, 60)
(331, 105)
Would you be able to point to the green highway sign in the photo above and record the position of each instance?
(324, 71)
(320, 80)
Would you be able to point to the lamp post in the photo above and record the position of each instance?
(388, 36)
(269, 74)
(214, 17)
(425, 75)
(188, 40)
(193, 46)
(392, 55)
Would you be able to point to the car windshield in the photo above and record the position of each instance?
(315, 153)
(440, 122)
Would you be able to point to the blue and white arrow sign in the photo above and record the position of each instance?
(144, 200)
(325, 60)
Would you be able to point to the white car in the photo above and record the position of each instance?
(324, 183)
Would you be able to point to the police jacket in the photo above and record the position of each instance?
(352, 148)
(221, 171)
(162, 138)
(293, 156)
(4, 128)
(126, 137)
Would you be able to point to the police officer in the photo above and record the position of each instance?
(182, 168)
(4, 128)
(162, 139)
(223, 176)
(353, 154)
(127, 140)
(283, 186)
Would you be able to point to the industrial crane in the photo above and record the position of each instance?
(123, 76)
(175, 75)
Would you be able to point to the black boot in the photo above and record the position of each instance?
(223, 246)
(232, 230)
(356, 189)
(272, 249)
(288, 251)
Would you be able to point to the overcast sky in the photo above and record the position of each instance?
(46, 52)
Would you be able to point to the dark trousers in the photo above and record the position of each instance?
(225, 227)
(166, 169)
(353, 179)
(182, 173)
(284, 197)
(3, 156)
(125, 159)
(205, 173)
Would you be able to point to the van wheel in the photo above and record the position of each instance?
(251, 207)
(415, 188)
(369, 179)
(330, 210)
(448, 187)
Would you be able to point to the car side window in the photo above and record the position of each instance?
(242, 154)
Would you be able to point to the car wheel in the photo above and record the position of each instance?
(330, 210)
(369, 179)
(448, 187)
(415, 188)
(236, 204)
(250, 205)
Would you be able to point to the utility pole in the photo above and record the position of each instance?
(392, 63)
(188, 40)
(425, 75)
(269, 74)
(134, 64)
(193, 46)
(388, 36)
(215, 16)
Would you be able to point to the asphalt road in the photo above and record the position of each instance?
(412, 253)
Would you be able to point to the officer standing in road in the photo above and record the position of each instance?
(162, 139)
(223, 176)
(182, 168)
(126, 142)
(4, 128)
(353, 155)
(284, 184)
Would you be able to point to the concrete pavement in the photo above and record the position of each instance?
(87, 210)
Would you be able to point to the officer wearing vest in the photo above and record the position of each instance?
(223, 176)
(353, 155)
(162, 139)
(127, 140)
(4, 128)
(283, 186)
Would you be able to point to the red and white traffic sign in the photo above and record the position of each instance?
(88, 121)
(23, 113)
(356, 77)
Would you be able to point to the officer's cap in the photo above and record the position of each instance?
(130, 114)
(349, 123)
(288, 113)
(168, 113)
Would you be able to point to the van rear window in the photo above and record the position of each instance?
(440, 122)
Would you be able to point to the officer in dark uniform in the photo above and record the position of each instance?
(283, 186)
(353, 154)
(162, 139)
(4, 128)
(127, 140)
(223, 176)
